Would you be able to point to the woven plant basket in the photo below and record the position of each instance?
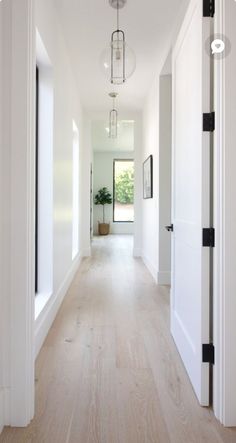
(103, 228)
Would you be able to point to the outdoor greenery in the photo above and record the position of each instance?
(103, 197)
(124, 187)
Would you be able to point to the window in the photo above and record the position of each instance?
(43, 177)
(123, 191)
(36, 177)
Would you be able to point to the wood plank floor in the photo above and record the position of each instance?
(109, 371)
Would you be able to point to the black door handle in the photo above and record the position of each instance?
(170, 228)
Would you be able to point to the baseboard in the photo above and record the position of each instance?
(164, 278)
(48, 314)
(86, 252)
(137, 252)
(2, 421)
(4, 408)
(149, 265)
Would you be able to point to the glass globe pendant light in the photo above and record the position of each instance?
(118, 61)
(113, 117)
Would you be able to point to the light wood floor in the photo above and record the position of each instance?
(109, 371)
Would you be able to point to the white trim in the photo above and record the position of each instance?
(41, 299)
(150, 266)
(218, 211)
(86, 252)
(2, 255)
(5, 188)
(4, 407)
(224, 254)
(164, 278)
(22, 212)
(137, 252)
(47, 315)
(2, 421)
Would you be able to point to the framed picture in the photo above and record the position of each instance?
(147, 178)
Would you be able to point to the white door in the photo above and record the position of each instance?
(191, 195)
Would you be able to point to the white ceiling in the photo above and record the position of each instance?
(87, 26)
(124, 142)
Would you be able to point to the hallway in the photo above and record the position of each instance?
(109, 371)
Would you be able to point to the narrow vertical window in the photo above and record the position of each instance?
(43, 175)
(123, 191)
(36, 177)
(75, 192)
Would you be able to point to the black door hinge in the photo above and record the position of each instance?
(208, 8)
(208, 237)
(208, 353)
(209, 122)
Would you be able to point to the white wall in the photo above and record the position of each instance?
(138, 144)
(156, 212)
(150, 207)
(103, 177)
(165, 129)
(66, 110)
(151, 139)
(86, 161)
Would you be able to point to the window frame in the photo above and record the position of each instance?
(114, 162)
(36, 177)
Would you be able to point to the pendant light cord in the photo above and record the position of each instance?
(118, 23)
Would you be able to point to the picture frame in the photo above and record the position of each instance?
(148, 178)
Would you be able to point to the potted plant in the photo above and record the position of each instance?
(103, 197)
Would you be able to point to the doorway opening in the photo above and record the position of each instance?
(113, 169)
(165, 140)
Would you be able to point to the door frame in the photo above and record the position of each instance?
(224, 402)
(22, 211)
(19, 201)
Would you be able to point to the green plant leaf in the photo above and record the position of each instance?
(103, 197)
(124, 187)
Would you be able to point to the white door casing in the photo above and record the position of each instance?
(191, 197)
(19, 295)
(224, 399)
